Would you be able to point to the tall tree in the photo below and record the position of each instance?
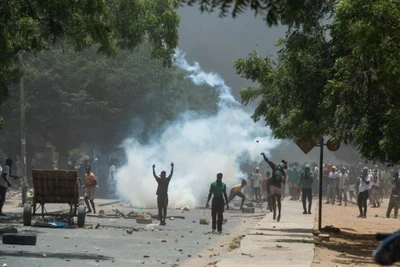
(75, 98)
(344, 84)
(36, 25)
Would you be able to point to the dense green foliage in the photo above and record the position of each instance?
(75, 98)
(36, 25)
(344, 86)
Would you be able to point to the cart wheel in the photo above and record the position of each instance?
(81, 216)
(27, 214)
(19, 239)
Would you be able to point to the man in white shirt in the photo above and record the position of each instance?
(256, 180)
(333, 184)
(343, 182)
(363, 192)
(4, 184)
(111, 179)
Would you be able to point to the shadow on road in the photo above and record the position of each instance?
(72, 256)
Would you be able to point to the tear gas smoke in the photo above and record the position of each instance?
(199, 145)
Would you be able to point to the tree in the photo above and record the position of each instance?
(36, 25)
(75, 98)
(344, 86)
(291, 13)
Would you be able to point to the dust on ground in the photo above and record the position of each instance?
(354, 245)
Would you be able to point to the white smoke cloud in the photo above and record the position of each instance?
(199, 145)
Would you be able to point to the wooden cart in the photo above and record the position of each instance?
(55, 187)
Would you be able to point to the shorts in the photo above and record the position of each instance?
(90, 192)
(274, 190)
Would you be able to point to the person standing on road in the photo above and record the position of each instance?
(333, 183)
(306, 183)
(256, 182)
(90, 189)
(4, 184)
(343, 186)
(111, 178)
(277, 179)
(218, 190)
(162, 192)
(394, 201)
(374, 188)
(236, 191)
(363, 193)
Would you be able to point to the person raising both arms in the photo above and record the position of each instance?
(218, 189)
(162, 192)
(277, 179)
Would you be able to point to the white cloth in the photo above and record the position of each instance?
(111, 173)
(256, 177)
(363, 185)
(333, 175)
(6, 170)
(343, 180)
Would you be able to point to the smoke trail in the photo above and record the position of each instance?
(199, 146)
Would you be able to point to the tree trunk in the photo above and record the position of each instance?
(62, 158)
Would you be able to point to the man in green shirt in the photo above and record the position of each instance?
(218, 189)
(306, 182)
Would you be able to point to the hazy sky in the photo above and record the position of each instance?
(215, 43)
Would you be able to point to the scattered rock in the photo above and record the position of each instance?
(171, 218)
(186, 208)
(101, 211)
(129, 231)
(146, 256)
(95, 225)
(248, 210)
(204, 221)
(163, 241)
(144, 220)
(225, 221)
(376, 215)
(324, 236)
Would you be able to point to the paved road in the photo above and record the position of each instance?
(168, 245)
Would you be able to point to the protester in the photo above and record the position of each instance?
(332, 186)
(306, 183)
(218, 190)
(277, 179)
(343, 186)
(162, 192)
(363, 192)
(256, 183)
(111, 179)
(236, 191)
(374, 188)
(90, 189)
(394, 202)
(4, 184)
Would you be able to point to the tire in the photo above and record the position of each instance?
(81, 216)
(20, 239)
(27, 214)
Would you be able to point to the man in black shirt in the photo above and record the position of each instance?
(162, 192)
(394, 196)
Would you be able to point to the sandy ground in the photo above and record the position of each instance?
(354, 245)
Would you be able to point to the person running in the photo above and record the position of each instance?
(218, 189)
(90, 189)
(363, 193)
(343, 186)
(162, 192)
(236, 191)
(394, 201)
(278, 178)
(306, 183)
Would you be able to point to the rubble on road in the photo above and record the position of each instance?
(186, 208)
(144, 219)
(204, 221)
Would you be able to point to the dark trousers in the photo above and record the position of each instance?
(3, 192)
(362, 202)
(217, 209)
(162, 203)
(306, 195)
(393, 203)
